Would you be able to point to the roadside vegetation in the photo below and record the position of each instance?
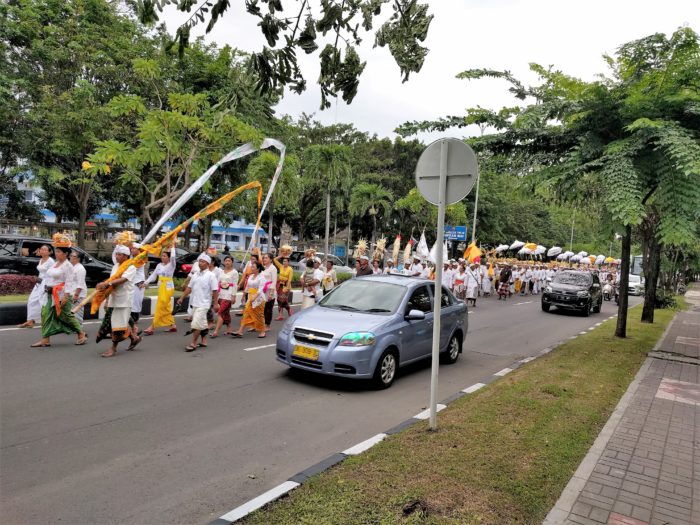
(501, 455)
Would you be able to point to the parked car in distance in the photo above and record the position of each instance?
(153, 259)
(573, 290)
(184, 264)
(368, 327)
(636, 285)
(18, 256)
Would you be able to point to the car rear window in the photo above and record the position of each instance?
(576, 279)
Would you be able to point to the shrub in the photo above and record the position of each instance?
(664, 300)
(12, 284)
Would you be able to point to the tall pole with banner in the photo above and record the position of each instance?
(446, 172)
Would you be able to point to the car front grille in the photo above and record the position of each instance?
(307, 362)
(315, 337)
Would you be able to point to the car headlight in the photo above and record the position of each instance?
(582, 293)
(357, 339)
(548, 289)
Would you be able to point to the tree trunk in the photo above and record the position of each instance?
(328, 220)
(621, 328)
(374, 228)
(188, 235)
(651, 268)
(81, 226)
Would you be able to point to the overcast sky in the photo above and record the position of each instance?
(466, 34)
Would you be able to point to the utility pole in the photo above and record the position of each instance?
(571, 244)
(476, 196)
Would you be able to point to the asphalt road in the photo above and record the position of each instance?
(163, 436)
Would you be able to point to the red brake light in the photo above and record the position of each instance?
(187, 268)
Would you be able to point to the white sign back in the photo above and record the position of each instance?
(462, 171)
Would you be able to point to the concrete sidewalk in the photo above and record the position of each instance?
(644, 468)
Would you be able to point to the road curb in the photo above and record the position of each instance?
(297, 480)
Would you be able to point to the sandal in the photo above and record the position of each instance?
(133, 344)
(147, 332)
(262, 336)
(237, 335)
(81, 342)
(171, 330)
(40, 345)
(279, 318)
(213, 336)
(202, 345)
(109, 353)
(190, 348)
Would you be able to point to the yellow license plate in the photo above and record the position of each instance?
(306, 352)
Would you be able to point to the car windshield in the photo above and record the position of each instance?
(635, 279)
(365, 295)
(577, 279)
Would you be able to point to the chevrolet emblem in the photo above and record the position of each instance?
(311, 337)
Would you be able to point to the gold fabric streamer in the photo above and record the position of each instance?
(98, 296)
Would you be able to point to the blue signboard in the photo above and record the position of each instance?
(339, 250)
(455, 233)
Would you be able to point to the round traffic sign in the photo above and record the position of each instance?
(461, 171)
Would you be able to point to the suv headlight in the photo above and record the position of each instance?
(357, 339)
(582, 293)
(548, 289)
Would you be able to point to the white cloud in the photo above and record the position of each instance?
(496, 34)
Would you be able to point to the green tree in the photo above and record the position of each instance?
(330, 166)
(288, 34)
(371, 199)
(630, 140)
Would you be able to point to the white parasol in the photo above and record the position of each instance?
(516, 245)
(554, 250)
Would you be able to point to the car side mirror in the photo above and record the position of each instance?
(415, 315)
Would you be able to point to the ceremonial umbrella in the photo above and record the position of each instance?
(561, 257)
(585, 260)
(569, 254)
(525, 251)
(516, 245)
(540, 249)
(582, 254)
(502, 248)
(575, 258)
(531, 246)
(600, 259)
(554, 250)
(609, 260)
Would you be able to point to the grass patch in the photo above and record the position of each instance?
(500, 455)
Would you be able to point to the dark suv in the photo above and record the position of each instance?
(574, 290)
(18, 256)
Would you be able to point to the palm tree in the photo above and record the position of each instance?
(370, 198)
(330, 166)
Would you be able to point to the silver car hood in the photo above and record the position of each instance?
(338, 322)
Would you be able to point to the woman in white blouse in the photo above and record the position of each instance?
(228, 283)
(166, 288)
(76, 287)
(34, 303)
(56, 315)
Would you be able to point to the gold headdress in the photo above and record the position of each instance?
(309, 253)
(211, 251)
(360, 249)
(61, 240)
(286, 251)
(125, 238)
(255, 251)
(379, 250)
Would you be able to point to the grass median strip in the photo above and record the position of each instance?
(500, 455)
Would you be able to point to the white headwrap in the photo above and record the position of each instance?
(136, 245)
(122, 249)
(204, 257)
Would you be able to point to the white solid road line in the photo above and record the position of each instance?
(503, 372)
(258, 347)
(473, 388)
(365, 445)
(526, 302)
(582, 333)
(256, 503)
(528, 359)
(426, 413)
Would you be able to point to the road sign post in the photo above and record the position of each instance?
(452, 165)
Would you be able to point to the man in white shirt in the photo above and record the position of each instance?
(139, 286)
(75, 285)
(447, 276)
(330, 279)
(416, 267)
(407, 270)
(204, 291)
(270, 274)
(311, 282)
(117, 316)
(389, 267)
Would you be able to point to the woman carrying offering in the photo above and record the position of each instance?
(56, 315)
(166, 288)
(284, 281)
(228, 281)
(34, 303)
(254, 312)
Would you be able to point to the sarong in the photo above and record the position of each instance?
(53, 323)
(471, 291)
(254, 315)
(105, 329)
(517, 285)
(225, 311)
(199, 318)
(282, 297)
(486, 285)
(164, 309)
(504, 289)
(34, 303)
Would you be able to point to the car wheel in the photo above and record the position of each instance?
(385, 373)
(586, 310)
(452, 354)
(546, 307)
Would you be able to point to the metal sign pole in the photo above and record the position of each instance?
(438, 285)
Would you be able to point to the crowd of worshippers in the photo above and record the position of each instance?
(212, 289)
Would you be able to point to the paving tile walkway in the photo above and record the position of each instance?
(644, 468)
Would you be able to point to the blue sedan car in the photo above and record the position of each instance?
(370, 326)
